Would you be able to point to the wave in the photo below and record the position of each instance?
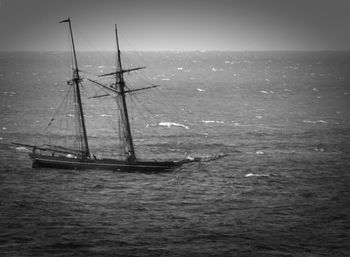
(170, 124)
(212, 121)
(257, 175)
(22, 149)
(207, 158)
(315, 122)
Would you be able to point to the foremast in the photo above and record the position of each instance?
(82, 135)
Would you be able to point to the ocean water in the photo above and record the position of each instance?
(281, 118)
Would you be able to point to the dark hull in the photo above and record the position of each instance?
(109, 164)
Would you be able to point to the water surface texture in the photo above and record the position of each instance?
(282, 119)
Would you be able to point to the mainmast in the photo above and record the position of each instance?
(129, 146)
(76, 80)
(120, 92)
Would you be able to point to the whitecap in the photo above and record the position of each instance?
(308, 121)
(200, 90)
(180, 68)
(319, 149)
(169, 124)
(214, 69)
(315, 89)
(165, 79)
(189, 157)
(213, 121)
(257, 175)
(106, 115)
(314, 122)
(263, 92)
(259, 152)
(22, 149)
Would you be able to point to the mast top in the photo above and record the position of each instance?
(76, 69)
(66, 20)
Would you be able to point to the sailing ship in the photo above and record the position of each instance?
(53, 156)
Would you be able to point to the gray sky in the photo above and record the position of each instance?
(177, 25)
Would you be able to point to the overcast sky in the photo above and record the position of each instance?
(177, 25)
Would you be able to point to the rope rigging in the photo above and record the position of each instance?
(69, 119)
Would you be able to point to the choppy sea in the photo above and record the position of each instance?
(282, 120)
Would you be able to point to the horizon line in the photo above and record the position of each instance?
(202, 51)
